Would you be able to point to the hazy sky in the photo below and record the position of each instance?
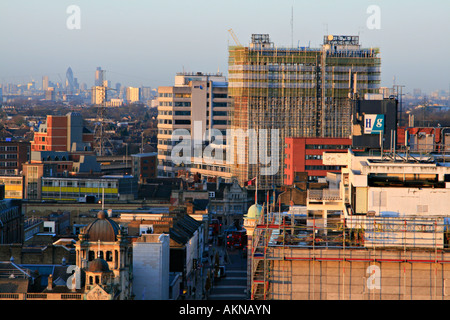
(145, 42)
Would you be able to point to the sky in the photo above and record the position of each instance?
(146, 42)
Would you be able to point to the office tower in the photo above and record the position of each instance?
(117, 92)
(50, 94)
(98, 95)
(45, 83)
(69, 81)
(99, 75)
(133, 94)
(197, 102)
(302, 92)
(146, 93)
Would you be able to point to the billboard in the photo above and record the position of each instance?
(373, 123)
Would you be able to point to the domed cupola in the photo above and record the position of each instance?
(102, 228)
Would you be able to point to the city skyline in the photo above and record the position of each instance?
(147, 43)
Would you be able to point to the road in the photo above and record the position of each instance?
(234, 285)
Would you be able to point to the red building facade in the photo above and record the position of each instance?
(58, 133)
(305, 155)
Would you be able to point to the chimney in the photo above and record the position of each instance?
(50, 282)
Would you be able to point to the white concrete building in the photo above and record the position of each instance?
(383, 186)
(133, 94)
(151, 254)
(197, 102)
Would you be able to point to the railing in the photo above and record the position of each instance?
(354, 232)
(41, 296)
(11, 296)
(326, 194)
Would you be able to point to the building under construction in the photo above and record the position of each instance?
(383, 234)
(302, 92)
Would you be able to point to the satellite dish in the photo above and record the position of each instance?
(330, 37)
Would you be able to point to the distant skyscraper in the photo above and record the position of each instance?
(133, 94)
(98, 95)
(99, 77)
(45, 83)
(69, 81)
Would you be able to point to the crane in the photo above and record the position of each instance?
(235, 38)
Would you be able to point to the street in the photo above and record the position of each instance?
(233, 286)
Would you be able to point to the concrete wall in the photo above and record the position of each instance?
(360, 275)
(151, 267)
(409, 201)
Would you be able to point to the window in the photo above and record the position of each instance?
(313, 157)
(182, 121)
(182, 104)
(220, 113)
(220, 122)
(91, 255)
(182, 113)
(109, 256)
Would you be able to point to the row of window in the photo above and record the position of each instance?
(79, 184)
(8, 148)
(177, 113)
(11, 182)
(73, 195)
(313, 157)
(8, 156)
(182, 104)
(235, 209)
(164, 131)
(167, 142)
(8, 163)
(188, 95)
(327, 146)
(322, 168)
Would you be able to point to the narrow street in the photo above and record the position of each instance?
(233, 286)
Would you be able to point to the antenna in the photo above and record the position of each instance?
(100, 136)
(292, 26)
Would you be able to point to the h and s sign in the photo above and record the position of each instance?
(373, 123)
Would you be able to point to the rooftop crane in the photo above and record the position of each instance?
(235, 38)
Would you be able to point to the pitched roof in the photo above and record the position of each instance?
(13, 285)
(184, 229)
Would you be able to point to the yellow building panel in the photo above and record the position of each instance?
(11, 187)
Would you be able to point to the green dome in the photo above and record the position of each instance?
(254, 211)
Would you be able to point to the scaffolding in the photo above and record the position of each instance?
(281, 237)
(302, 92)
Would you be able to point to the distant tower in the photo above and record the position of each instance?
(45, 83)
(69, 81)
(99, 77)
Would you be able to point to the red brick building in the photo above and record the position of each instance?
(12, 155)
(62, 133)
(144, 166)
(305, 155)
